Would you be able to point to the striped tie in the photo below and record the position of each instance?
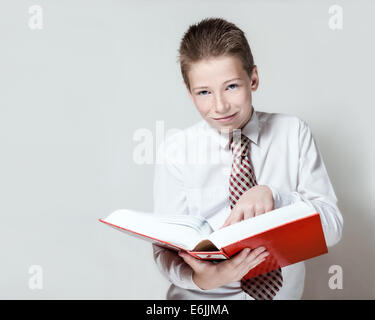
(242, 178)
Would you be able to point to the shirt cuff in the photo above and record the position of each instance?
(281, 199)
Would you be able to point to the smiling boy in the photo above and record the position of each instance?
(278, 158)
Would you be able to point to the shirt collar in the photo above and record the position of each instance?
(250, 130)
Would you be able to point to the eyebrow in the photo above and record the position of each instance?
(204, 87)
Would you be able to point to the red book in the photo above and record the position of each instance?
(290, 234)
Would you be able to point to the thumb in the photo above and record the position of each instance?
(191, 261)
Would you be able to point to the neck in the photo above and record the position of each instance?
(244, 123)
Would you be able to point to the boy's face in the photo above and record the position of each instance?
(221, 91)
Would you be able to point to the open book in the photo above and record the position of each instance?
(290, 234)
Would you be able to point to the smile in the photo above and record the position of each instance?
(225, 119)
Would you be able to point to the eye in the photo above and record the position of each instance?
(203, 93)
(232, 86)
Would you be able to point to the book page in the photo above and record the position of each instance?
(247, 228)
(182, 230)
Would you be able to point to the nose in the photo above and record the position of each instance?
(221, 106)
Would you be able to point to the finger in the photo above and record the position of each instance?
(189, 260)
(253, 261)
(261, 251)
(244, 268)
(249, 213)
(254, 253)
(239, 257)
(263, 255)
(259, 259)
(194, 263)
(236, 216)
(258, 211)
(251, 257)
(254, 258)
(268, 207)
(247, 253)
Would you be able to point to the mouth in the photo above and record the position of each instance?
(225, 119)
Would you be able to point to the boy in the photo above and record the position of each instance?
(274, 162)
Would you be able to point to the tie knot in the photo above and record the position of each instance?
(239, 145)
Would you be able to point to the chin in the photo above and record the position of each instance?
(224, 127)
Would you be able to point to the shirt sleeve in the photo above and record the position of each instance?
(314, 187)
(170, 198)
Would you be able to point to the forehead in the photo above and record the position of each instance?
(215, 70)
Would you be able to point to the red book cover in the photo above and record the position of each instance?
(290, 243)
(287, 243)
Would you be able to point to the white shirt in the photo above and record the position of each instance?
(192, 177)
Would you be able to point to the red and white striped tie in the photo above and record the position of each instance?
(242, 178)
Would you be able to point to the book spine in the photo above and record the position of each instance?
(209, 255)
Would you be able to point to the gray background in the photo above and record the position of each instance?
(73, 94)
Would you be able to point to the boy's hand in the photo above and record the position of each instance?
(208, 275)
(255, 201)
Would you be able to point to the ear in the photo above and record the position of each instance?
(254, 78)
